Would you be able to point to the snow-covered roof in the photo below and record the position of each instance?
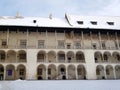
(70, 21)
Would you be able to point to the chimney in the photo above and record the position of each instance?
(50, 16)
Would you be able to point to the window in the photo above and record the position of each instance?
(69, 59)
(23, 43)
(80, 22)
(22, 56)
(105, 57)
(107, 71)
(79, 71)
(41, 43)
(77, 45)
(21, 72)
(94, 46)
(118, 57)
(110, 23)
(41, 56)
(103, 45)
(116, 45)
(4, 43)
(9, 72)
(93, 22)
(62, 70)
(61, 56)
(98, 71)
(68, 45)
(1, 69)
(49, 71)
(61, 44)
(39, 71)
(2, 56)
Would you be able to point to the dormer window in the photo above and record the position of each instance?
(80, 22)
(93, 22)
(110, 23)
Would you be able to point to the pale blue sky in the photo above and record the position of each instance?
(42, 8)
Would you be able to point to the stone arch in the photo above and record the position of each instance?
(52, 72)
(61, 56)
(117, 71)
(115, 57)
(51, 56)
(71, 72)
(10, 72)
(1, 72)
(11, 56)
(70, 56)
(100, 72)
(109, 72)
(80, 57)
(107, 56)
(22, 57)
(98, 57)
(61, 72)
(41, 56)
(21, 72)
(2, 56)
(81, 71)
(41, 72)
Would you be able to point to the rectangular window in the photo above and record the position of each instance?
(77, 45)
(68, 45)
(61, 44)
(40, 71)
(2, 56)
(94, 46)
(41, 43)
(21, 72)
(1, 69)
(23, 43)
(103, 45)
(9, 72)
(107, 71)
(4, 43)
(110, 23)
(80, 22)
(61, 56)
(79, 71)
(93, 22)
(49, 71)
(116, 45)
(22, 56)
(98, 71)
(41, 56)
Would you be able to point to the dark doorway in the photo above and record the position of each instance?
(64, 77)
(40, 78)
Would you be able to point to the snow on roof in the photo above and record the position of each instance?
(100, 22)
(70, 21)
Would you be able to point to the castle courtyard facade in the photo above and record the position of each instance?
(73, 48)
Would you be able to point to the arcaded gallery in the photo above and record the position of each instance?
(71, 48)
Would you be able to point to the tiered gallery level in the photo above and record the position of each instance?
(42, 53)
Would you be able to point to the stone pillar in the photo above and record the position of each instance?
(76, 73)
(105, 72)
(4, 73)
(90, 64)
(66, 72)
(46, 73)
(114, 73)
(31, 64)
